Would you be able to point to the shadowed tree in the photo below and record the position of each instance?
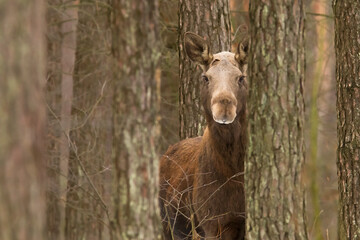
(135, 129)
(22, 120)
(275, 201)
(347, 49)
(210, 19)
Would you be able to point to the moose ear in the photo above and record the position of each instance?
(197, 49)
(242, 52)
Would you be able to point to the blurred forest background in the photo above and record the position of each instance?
(80, 98)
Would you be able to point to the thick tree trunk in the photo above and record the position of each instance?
(347, 49)
(275, 201)
(136, 52)
(22, 120)
(210, 19)
(86, 207)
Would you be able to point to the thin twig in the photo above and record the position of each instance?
(73, 147)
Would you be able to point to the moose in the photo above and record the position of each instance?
(201, 179)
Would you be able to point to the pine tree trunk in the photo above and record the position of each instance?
(22, 120)
(211, 20)
(347, 49)
(275, 201)
(136, 52)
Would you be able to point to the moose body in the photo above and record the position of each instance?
(201, 179)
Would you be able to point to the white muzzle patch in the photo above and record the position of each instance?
(224, 120)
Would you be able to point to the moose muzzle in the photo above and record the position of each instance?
(223, 108)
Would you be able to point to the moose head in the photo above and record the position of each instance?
(224, 85)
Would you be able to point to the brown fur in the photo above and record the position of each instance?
(201, 179)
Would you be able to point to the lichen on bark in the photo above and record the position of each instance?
(135, 49)
(275, 201)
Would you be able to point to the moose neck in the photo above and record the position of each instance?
(228, 142)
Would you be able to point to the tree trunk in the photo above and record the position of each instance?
(85, 205)
(275, 201)
(347, 49)
(210, 19)
(22, 120)
(68, 47)
(54, 207)
(136, 51)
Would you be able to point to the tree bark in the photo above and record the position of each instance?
(210, 19)
(22, 120)
(347, 49)
(275, 201)
(136, 52)
(68, 47)
(54, 207)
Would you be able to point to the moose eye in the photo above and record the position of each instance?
(205, 79)
(241, 79)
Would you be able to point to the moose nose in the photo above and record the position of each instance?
(225, 101)
(223, 108)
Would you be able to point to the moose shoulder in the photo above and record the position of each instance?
(201, 179)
